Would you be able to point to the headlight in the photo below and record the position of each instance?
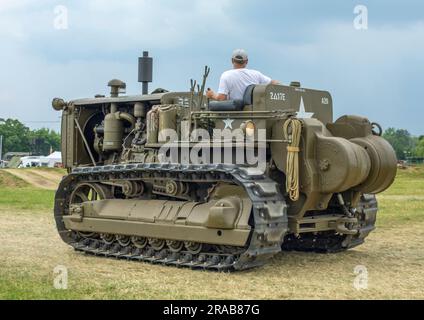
(249, 128)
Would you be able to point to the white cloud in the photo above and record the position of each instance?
(163, 24)
(375, 73)
(6, 5)
(122, 25)
(32, 75)
(364, 70)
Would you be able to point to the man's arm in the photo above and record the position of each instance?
(212, 95)
(223, 91)
(263, 79)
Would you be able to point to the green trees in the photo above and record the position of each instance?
(419, 150)
(402, 141)
(44, 140)
(15, 136)
(19, 138)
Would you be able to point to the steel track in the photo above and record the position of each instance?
(270, 223)
(269, 220)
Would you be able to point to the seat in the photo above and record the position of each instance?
(227, 105)
(248, 95)
(233, 105)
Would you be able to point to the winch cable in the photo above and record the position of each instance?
(292, 130)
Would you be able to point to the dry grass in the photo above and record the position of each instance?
(393, 255)
(40, 178)
(10, 181)
(51, 174)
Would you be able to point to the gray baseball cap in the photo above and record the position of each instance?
(240, 55)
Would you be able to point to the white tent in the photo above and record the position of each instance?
(52, 160)
(30, 161)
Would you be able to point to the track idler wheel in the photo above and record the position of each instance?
(139, 242)
(84, 192)
(175, 246)
(86, 235)
(107, 238)
(132, 188)
(89, 192)
(123, 240)
(157, 244)
(193, 247)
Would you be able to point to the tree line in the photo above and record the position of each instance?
(19, 138)
(405, 144)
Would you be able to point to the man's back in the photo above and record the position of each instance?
(234, 82)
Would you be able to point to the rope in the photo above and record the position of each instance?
(292, 130)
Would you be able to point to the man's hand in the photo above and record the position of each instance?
(219, 97)
(210, 94)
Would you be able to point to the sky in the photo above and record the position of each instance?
(71, 49)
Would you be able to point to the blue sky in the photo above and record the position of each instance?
(377, 72)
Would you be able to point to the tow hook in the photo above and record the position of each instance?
(77, 212)
(341, 225)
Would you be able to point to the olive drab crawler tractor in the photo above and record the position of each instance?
(145, 184)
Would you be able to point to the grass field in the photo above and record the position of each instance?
(30, 249)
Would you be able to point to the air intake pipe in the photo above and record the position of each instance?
(114, 128)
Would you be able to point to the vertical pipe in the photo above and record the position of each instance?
(113, 107)
(145, 71)
(145, 88)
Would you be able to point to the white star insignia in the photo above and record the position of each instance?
(228, 123)
(302, 114)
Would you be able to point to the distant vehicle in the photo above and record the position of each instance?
(9, 155)
(30, 162)
(3, 163)
(402, 164)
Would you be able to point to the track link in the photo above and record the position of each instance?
(203, 260)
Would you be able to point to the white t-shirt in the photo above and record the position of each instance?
(234, 82)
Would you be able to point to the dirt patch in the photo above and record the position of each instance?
(54, 176)
(10, 181)
(35, 179)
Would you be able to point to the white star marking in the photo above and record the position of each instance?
(228, 123)
(302, 114)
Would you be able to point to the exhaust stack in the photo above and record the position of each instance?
(145, 71)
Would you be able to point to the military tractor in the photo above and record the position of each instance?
(171, 178)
